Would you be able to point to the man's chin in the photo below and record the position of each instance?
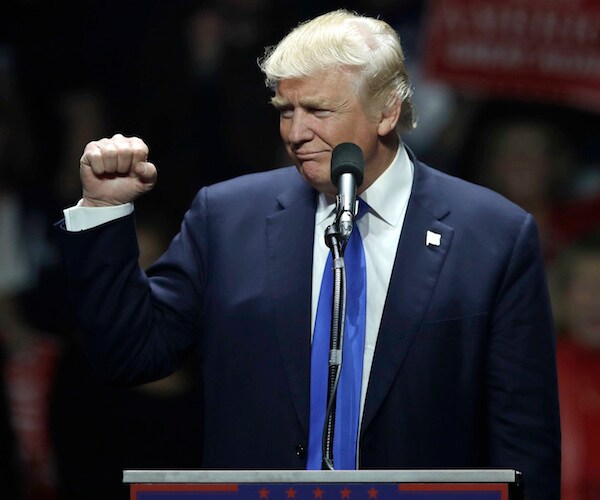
(317, 175)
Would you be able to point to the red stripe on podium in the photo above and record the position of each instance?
(501, 488)
(135, 488)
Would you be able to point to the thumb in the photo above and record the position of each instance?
(146, 172)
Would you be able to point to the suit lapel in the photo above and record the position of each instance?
(290, 235)
(416, 269)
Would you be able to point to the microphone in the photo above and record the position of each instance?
(347, 172)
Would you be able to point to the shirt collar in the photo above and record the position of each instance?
(386, 197)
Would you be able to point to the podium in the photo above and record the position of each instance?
(414, 484)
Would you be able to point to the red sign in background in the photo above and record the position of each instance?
(541, 49)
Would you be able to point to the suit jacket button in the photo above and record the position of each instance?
(300, 451)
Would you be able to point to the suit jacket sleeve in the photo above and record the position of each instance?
(137, 328)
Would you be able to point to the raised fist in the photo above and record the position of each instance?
(115, 171)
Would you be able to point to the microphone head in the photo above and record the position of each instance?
(347, 158)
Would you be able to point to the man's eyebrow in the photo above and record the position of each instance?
(308, 102)
(279, 102)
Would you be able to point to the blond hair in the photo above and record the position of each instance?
(342, 39)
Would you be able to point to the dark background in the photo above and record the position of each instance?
(183, 76)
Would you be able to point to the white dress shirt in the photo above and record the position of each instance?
(380, 230)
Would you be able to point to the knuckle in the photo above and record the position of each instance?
(139, 144)
(110, 150)
(90, 147)
(140, 151)
(94, 155)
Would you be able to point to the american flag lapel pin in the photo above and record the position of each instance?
(433, 239)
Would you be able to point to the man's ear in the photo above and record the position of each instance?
(389, 118)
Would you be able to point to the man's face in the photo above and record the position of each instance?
(316, 114)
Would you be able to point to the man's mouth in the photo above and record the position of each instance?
(307, 155)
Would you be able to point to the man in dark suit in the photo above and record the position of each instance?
(459, 363)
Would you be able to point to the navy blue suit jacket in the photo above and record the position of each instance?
(464, 369)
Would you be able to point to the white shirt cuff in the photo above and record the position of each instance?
(80, 218)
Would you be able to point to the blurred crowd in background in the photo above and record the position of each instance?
(183, 76)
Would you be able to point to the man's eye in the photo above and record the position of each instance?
(321, 112)
(286, 113)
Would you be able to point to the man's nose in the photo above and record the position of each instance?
(300, 130)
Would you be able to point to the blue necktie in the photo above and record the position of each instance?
(349, 389)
